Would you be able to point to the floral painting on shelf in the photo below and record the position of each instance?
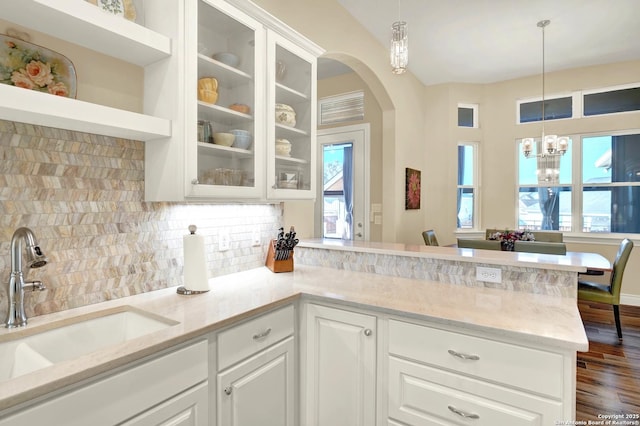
(26, 65)
(412, 189)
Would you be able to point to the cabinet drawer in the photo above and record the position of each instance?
(531, 369)
(420, 395)
(250, 337)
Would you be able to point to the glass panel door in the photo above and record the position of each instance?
(227, 105)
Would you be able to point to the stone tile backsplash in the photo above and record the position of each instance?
(83, 196)
(514, 278)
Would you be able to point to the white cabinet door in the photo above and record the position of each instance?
(340, 368)
(291, 120)
(186, 409)
(260, 390)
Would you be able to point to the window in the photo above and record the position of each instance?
(541, 206)
(611, 183)
(605, 196)
(467, 115)
(554, 109)
(612, 101)
(467, 189)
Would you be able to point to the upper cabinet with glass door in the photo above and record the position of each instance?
(221, 88)
(230, 129)
(291, 120)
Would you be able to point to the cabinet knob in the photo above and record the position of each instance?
(461, 413)
(463, 356)
(368, 332)
(195, 181)
(228, 390)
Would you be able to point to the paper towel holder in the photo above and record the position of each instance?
(182, 289)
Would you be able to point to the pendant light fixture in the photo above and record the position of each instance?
(399, 50)
(553, 147)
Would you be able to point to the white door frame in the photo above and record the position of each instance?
(359, 134)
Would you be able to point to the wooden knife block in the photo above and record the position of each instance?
(278, 265)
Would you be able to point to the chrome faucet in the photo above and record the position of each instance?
(16, 316)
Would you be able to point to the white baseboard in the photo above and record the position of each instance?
(630, 299)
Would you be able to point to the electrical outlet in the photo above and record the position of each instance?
(224, 240)
(255, 237)
(490, 275)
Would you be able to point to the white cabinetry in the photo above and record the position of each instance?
(81, 23)
(256, 379)
(271, 68)
(340, 367)
(440, 377)
(171, 388)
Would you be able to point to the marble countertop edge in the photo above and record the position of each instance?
(506, 258)
(541, 320)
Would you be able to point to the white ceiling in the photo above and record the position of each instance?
(484, 41)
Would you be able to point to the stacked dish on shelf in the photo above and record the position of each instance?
(285, 115)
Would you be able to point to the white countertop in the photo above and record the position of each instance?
(572, 261)
(529, 318)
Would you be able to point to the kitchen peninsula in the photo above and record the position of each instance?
(525, 343)
(520, 271)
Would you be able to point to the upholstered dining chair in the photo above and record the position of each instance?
(609, 294)
(430, 238)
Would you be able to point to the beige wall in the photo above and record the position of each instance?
(497, 135)
(400, 97)
(300, 213)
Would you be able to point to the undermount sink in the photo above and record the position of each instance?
(21, 353)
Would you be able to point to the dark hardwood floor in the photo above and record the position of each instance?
(608, 378)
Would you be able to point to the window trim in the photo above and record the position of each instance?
(475, 108)
(476, 185)
(577, 96)
(571, 95)
(584, 93)
(577, 187)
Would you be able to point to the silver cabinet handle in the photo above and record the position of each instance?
(463, 356)
(461, 413)
(368, 332)
(228, 390)
(262, 335)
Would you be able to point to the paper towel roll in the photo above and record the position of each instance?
(195, 264)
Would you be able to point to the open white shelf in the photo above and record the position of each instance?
(82, 23)
(223, 151)
(43, 109)
(287, 95)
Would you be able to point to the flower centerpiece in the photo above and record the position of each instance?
(508, 238)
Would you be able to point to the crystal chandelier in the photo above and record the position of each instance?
(552, 147)
(399, 50)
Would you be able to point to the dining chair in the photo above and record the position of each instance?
(479, 244)
(430, 238)
(609, 294)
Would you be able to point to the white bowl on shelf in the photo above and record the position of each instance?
(224, 139)
(227, 58)
(242, 139)
(283, 147)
